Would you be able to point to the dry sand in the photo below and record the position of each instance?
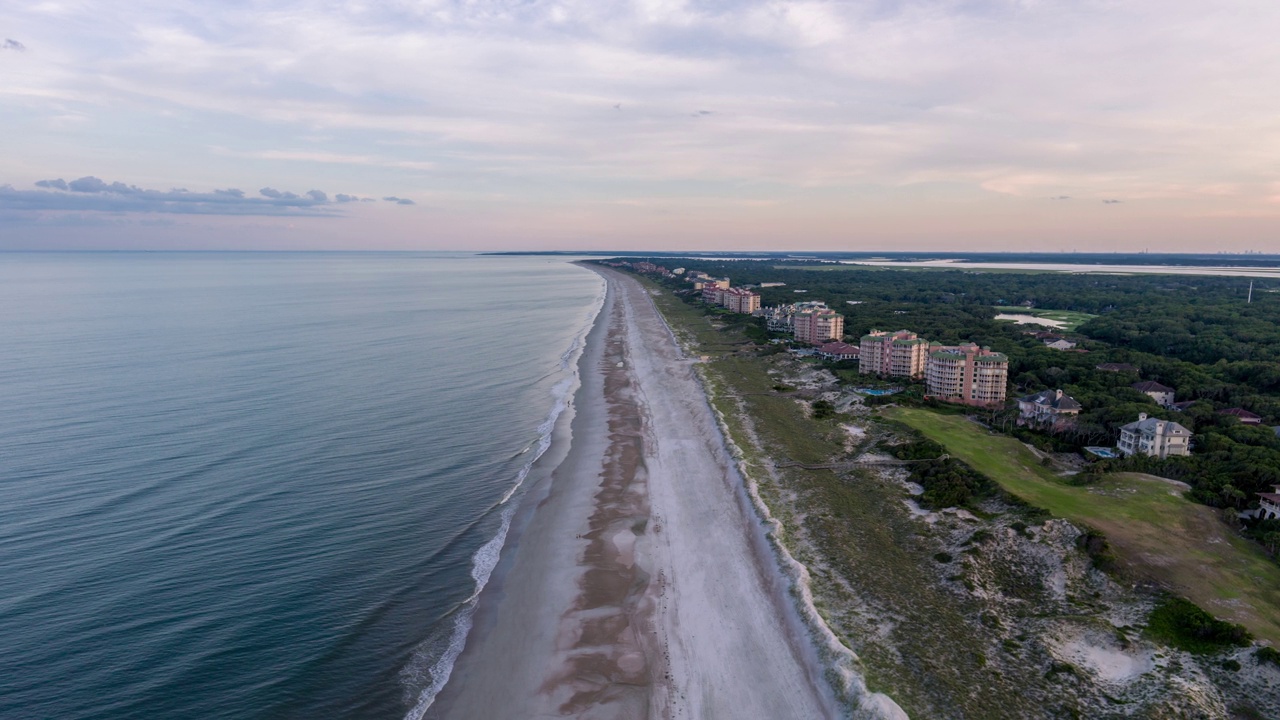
(638, 583)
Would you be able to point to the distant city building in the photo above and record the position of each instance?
(967, 374)
(1244, 416)
(817, 326)
(898, 354)
(677, 271)
(1154, 438)
(1048, 407)
(1163, 395)
(838, 351)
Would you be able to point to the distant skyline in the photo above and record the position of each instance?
(932, 125)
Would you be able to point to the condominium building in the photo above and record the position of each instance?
(1154, 438)
(740, 301)
(817, 325)
(967, 374)
(900, 354)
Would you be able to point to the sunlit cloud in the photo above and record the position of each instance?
(802, 109)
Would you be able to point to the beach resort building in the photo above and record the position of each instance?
(838, 351)
(817, 326)
(740, 301)
(1048, 407)
(1154, 438)
(967, 374)
(899, 354)
(1162, 394)
(1269, 504)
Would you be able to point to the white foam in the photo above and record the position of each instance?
(486, 557)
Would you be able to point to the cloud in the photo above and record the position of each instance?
(1112, 202)
(11, 44)
(89, 193)
(1061, 197)
(344, 198)
(399, 200)
(276, 194)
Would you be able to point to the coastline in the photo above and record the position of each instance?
(638, 581)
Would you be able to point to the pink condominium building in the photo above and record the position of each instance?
(899, 354)
(967, 374)
(817, 326)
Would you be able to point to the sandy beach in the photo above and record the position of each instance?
(638, 583)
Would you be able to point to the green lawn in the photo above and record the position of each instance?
(1070, 319)
(1157, 535)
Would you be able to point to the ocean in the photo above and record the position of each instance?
(258, 485)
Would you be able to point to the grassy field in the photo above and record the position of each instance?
(1157, 535)
(1070, 320)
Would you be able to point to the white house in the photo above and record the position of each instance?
(1154, 438)
(1269, 505)
(1162, 394)
(1060, 344)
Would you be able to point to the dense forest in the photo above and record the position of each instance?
(1196, 334)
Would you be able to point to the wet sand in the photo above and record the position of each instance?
(639, 583)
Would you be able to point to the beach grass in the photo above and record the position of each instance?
(1158, 535)
(872, 570)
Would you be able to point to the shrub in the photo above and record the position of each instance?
(1231, 665)
(943, 557)
(1267, 655)
(1095, 545)
(1182, 624)
(823, 409)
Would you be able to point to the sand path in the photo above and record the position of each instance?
(640, 584)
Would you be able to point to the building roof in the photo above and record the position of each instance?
(1055, 399)
(1240, 413)
(1273, 497)
(838, 348)
(1148, 425)
(1149, 386)
(1183, 405)
(1117, 367)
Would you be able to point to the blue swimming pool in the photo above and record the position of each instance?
(872, 391)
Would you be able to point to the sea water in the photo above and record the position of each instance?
(263, 485)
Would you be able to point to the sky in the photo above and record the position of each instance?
(932, 125)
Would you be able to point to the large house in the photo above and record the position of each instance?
(1244, 416)
(1269, 504)
(900, 354)
(1154, 438)
(967, 374)
(1048, 407)
(1162, 394)
(817, 326)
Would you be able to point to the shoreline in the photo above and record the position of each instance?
(637, 582)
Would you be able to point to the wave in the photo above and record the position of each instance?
(433, 660)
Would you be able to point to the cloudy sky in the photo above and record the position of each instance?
(663, 124)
